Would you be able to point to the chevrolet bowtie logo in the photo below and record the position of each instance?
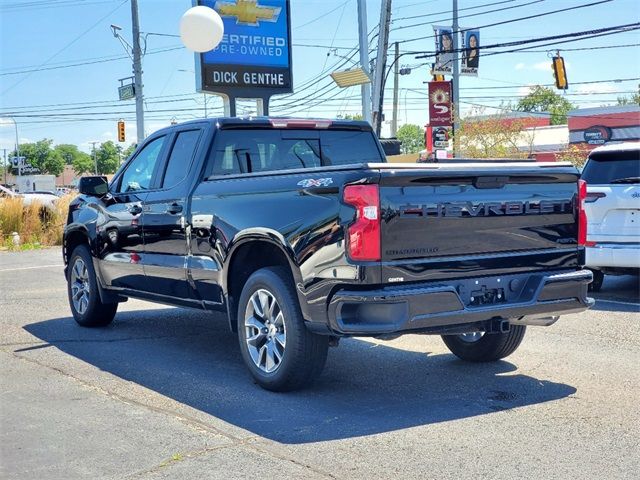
(247, 12)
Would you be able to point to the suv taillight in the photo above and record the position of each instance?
(364, 234)
(582, 215)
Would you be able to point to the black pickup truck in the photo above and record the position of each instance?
(302, 233)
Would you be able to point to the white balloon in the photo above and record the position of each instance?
(201, 29)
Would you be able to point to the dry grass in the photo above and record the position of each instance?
(35, 224)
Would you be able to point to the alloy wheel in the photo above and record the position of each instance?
(265, 331)
(80, 286)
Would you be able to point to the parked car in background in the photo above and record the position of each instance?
(47, 199)
(611, 177)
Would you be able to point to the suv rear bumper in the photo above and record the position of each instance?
(613, 255)
(433, 308)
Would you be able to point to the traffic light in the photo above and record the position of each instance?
(560, 73)
(121, 137)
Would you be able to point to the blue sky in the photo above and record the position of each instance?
(39, 37)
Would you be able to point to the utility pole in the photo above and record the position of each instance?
(137, 71)
(5, 165)
(455, 84)
(365, 89)
(95, 157)
(381, 63)
(396, 80)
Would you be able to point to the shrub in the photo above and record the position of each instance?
(35, 223)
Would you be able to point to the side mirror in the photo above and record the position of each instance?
(94, 186)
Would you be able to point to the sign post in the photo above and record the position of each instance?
(253, 60)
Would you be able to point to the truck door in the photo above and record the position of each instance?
(163, 220)
(121, 244)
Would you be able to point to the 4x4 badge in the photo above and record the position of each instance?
(315, 182)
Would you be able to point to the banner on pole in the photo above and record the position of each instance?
(445, 55)
(470, 52)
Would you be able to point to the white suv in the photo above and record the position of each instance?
(612, 205)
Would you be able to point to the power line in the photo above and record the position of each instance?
(449, 11)
(320, 17)
(513, 20)
(65, 47)
(440, 20)
(121, 57)
(595, 32)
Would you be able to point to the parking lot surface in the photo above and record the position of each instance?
(163, 393)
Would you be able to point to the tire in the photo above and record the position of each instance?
(598, 279)
(87, 308)
(279, 351)
(487, 347)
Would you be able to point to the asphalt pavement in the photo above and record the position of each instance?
(163, 393)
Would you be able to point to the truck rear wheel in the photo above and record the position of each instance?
(485, 347)
(279, 351)
(82, 286)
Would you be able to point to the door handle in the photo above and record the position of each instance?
(174, 208)
(135, 209)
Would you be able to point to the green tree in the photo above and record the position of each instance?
(128, 151)
(634, 99)
(494, 136)
(543, 99)
(40, 155)
(83, 164)
(412, 138)
(108, 157)
(69, 152)
(351, 116)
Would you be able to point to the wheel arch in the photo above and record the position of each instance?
(250, 252)
(74, 235)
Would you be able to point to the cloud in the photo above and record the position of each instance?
(597, 88)
(542, 66)
(545, 66)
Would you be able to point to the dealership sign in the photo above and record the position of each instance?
(440, 108)
(20, 166)
(253, 60)
(597, 135)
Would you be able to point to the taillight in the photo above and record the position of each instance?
(582, 215)
(364, 234)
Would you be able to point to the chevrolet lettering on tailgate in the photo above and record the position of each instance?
(486, 209)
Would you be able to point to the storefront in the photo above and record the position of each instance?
(591, 127)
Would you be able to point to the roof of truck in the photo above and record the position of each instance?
(282, 122)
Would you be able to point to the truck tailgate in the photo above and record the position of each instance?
(464, 218)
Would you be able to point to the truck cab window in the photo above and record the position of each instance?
(180, 158)
(139, 172)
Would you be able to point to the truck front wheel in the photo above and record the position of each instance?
(82, 286)
(277, 348)
(485, 347)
